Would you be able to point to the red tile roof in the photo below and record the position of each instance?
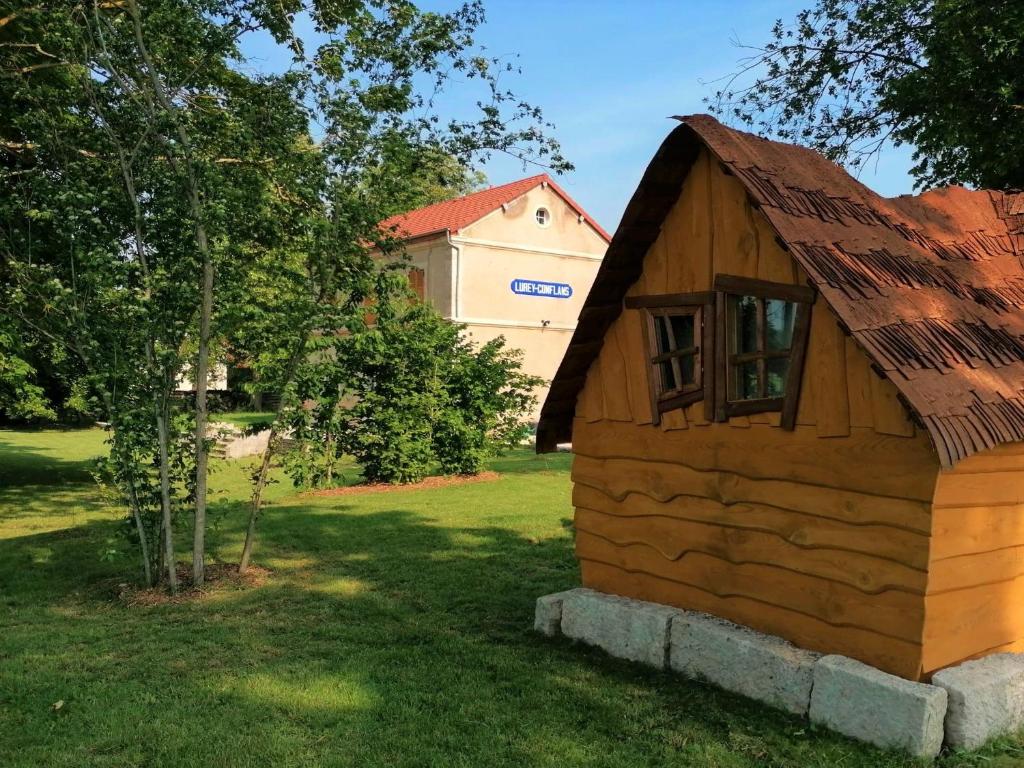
(931, 287)
(454, 215)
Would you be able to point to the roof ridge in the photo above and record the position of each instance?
(459, 212)
(493, 188)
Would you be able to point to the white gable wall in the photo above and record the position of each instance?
(509, 245)
(434, 257)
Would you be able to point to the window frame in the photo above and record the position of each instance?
(730, 286)
(700, 306)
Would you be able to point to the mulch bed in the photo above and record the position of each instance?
(426, 483)
(218, 576)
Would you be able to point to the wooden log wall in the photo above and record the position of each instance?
(976, 569)
(820, 535)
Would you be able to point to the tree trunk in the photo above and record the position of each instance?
(160, 401)
(206, 301)
(133, 496)
(329, 457)
(133, 500)
(257, 500)
(261, 477)
(165, 499)
(202, 373)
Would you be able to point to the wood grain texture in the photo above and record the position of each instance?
(969, 530)
(631, 341)
(656, 267)
(697, 415)
(614, 380)
(773, 263)
(891, 614)
(680, 266)
(733, 235)
(674, 419)
(976, 568)
(891, 418)
(971, 621)
(866, 463)
(901, 553)
(761, 526)
(675, 538)
(695, 235)
(899, 657)
(858, 385)
(590, 404)
(826, 366)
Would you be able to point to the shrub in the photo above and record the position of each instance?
(425, 396)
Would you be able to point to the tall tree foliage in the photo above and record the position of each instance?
(849, 76)
(21, 396)
(157, 197)
(404, 179)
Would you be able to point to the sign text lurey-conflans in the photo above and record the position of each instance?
(541, 288)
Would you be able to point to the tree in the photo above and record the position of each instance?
(139, 159)
(144, 173)
(850, 76)
(21, 397)
(404, 178)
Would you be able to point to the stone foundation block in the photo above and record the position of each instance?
(628, 629)
(743, 661)
(986, 698)
(547, 618)
(870, 705)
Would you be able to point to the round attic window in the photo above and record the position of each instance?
(543, 216)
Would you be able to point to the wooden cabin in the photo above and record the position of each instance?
(798, 405)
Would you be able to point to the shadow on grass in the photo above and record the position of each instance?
(388, 635)
(24, 466)
(383, 638)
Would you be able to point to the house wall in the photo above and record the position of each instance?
(975, 584)
(216, 380)
(510, 245)
(469, 279)
(819, 535)
(434, 257)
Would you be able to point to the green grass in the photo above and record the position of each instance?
(394, 631)
(243, 418)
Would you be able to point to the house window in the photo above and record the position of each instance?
(676, 334)
(675, 353)
(760, 343)
(739, 348)
(543, 216)
(762, 332)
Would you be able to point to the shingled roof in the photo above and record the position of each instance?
(455, 215)
(930, 286)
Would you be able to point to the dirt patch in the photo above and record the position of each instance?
(219, 577)
(429, 482)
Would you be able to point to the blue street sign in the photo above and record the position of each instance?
(541, 288)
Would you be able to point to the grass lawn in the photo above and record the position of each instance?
(394, 630)
(242, 418)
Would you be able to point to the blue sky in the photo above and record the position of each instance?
(609, 74)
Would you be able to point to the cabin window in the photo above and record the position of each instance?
(739, 348)
(762, 335)
(760, 342)
(676, 349)
(676, 335)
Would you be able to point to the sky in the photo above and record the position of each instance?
(610, 74)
